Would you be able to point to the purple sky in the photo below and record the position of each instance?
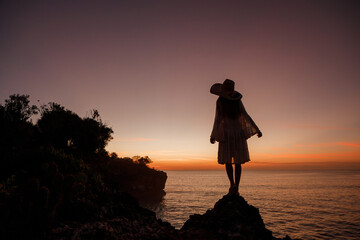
(147, 66)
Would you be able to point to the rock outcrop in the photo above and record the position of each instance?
(231, 218)
(120, 218)
(137, 178)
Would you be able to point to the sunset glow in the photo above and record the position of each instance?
(148, 67)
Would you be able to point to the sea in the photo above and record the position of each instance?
(301, 204)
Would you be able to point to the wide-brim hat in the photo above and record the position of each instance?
(226, 90)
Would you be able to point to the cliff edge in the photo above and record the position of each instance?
(231, 218)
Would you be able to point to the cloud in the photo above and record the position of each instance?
(331, 144)
(321, 127)
(338, 155)
(349, 144)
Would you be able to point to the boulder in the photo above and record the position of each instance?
(231, 218)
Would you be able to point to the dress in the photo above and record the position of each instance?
(232, 127)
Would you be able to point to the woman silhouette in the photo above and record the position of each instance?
(232, 127)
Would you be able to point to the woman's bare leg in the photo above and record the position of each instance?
(229, 171)
(237, 175)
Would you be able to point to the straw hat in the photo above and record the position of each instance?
(226, 90)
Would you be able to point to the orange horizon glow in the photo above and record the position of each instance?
(336, 155)
(253, 165)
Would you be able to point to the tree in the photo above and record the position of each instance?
(142, 160)
(64, 129)
(17, 108)
(16, 133)
(15, 128)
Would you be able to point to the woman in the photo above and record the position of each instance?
(232, 127)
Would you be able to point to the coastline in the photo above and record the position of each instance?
(231, 218)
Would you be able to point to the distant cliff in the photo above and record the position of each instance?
(135, 177)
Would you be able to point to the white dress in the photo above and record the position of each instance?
(232, 133)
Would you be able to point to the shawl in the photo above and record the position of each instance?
(248, 126)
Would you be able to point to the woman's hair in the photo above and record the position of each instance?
(229, 108)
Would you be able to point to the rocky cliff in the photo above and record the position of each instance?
(231, 218)
(120, 218)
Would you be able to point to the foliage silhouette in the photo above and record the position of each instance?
(17, 108)
(59, 170)
(17, 132)
(66, 130)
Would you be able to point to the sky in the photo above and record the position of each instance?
(147, 67)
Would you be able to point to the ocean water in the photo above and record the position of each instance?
(302, 204)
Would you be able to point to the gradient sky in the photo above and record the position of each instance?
(147, 66)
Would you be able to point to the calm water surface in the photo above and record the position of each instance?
(307, 205)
